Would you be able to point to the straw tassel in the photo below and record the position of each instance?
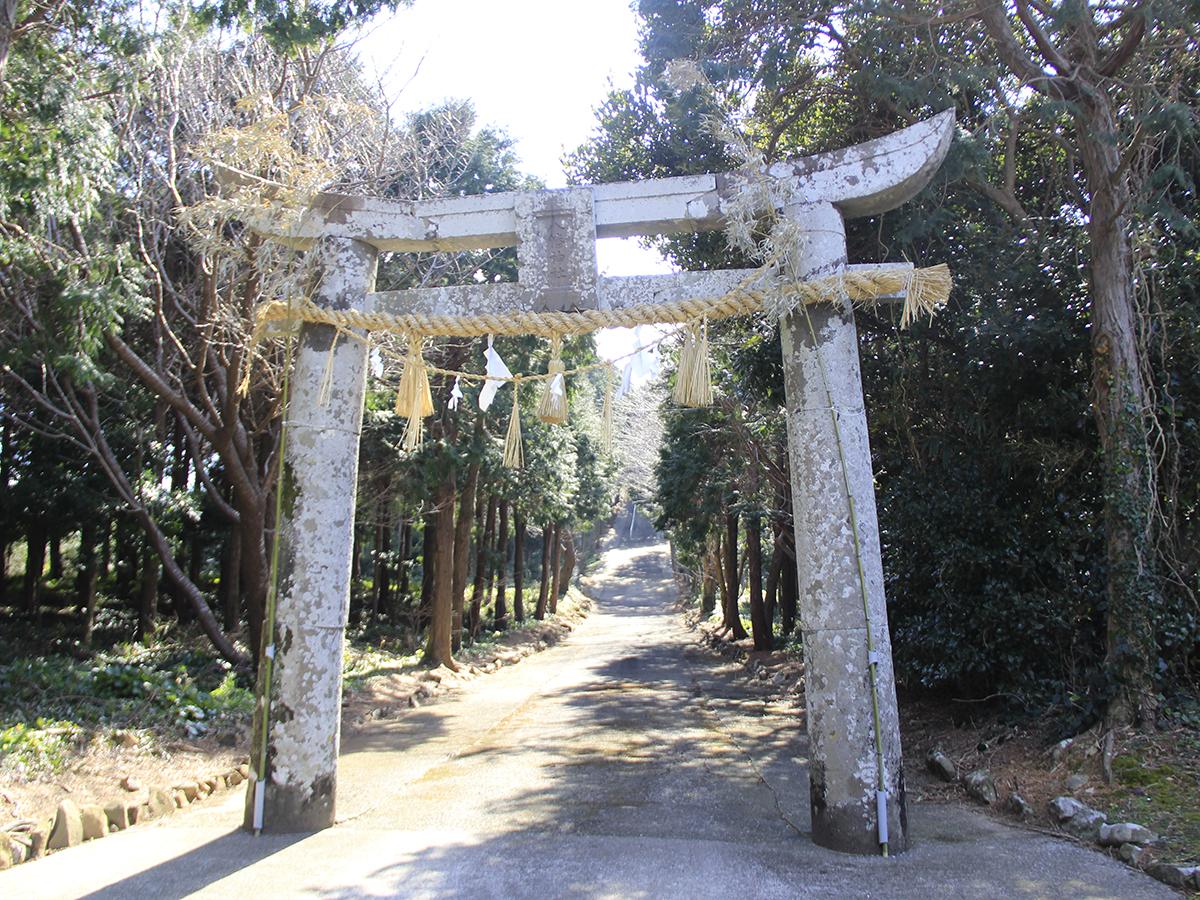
(927, 292)
(606, 411)
(693, 381)
(553, 406)
(413, 397)
(514, 454)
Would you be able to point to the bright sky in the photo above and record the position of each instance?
(535, 70)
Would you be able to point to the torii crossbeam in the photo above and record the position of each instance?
(857, 784)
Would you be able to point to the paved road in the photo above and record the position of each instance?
(625, 762)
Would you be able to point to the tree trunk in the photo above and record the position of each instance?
(733, 618)
(789, 587)
(518, 565)
(462, 549)
(438, 650)
(231, 588)
(87, 580)
(382, 579)
(501, 610)
(1120, 406)
(569, 559)
(774, 572)
(35, 563)
(428, 552)
(556, 566)
(483, 568)
(148, 593)
(402, 562)
(759, 624)
(54, 545)
(539, 611)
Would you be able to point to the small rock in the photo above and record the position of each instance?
(9, 849)
(209, 786)
(1086, 824)
(244, 771)
(1060, 751)
(1175, 876)
(1076, 781)
(118, 815)
(1063, 808)
(126, 738)
(190, 790)
(95, 822)
(1133, 854)
(38, 837)
(979, 786)
(68, 827)
(474, 670)
(414, 700)
(233, 778)
(179, 798)
(1018, 806)
(1126, 833)
(431, 675)
(941, 765)
(131, 784)
(160, 804)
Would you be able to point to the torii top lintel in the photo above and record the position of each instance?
(862, 180)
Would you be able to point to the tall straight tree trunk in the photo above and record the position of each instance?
(539, 611)
(518, 565)
(403, 560)
(569, 559)
(759, 624)
(1120, 407)
(774, 572)
(482, 568)
(789, 586)
(382, 580)
(428, 553)
(493, 558)
(441, 614)
(501, 617)
(35, 564)
(54, 545)
(462, 549)
(733, 618)
(231, 590)
(88, 571)
(148, 592)
(555, 566)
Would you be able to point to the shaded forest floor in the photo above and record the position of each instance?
(111, 725)
(1156, 777)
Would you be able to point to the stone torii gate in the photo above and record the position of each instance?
(840, 578)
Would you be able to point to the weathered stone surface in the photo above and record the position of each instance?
(233, 778)
(1175, 876)
(1133, 854)
(11, 853)
(941, 765)
(303, 721)
(131, 784)
(68, 827)
(1063, 808)
(1076, 781)
(189, 789)
(1126, 833)
(1018, 806)
(118, 815)
(95, 822)
(1060, 751)
(980, 787)
(244, 770)
(1086, 824)
(839, 572)
(38, 838)
(160, 803)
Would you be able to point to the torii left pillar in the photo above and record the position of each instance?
(295, 789)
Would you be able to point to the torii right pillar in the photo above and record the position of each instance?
(856, 771)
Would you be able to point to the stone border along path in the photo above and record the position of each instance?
(72, 824)
(626, 761)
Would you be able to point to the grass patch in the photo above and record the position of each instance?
(1157, 784)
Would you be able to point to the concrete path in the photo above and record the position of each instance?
(626, 762)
